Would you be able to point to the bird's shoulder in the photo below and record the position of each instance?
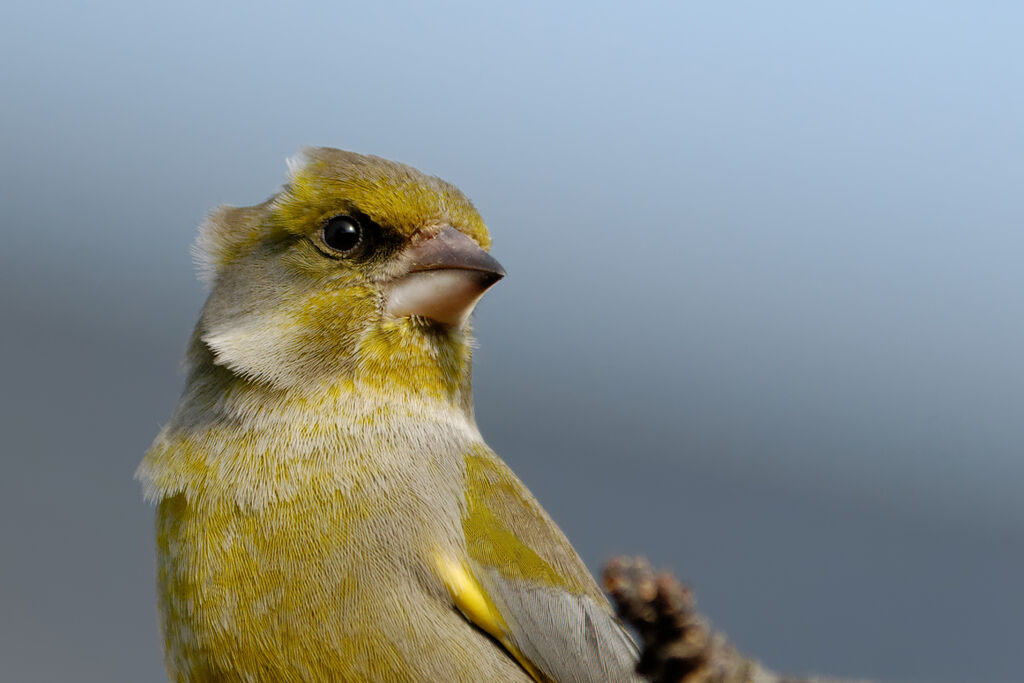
(526, 586)
(507, 530)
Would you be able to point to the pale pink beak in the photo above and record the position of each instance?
(447, 274)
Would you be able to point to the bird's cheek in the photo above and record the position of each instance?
(335, 309)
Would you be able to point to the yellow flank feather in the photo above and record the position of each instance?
(326, 507)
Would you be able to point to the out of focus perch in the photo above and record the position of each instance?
(676, 644)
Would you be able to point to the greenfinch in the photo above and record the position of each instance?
(327, 509)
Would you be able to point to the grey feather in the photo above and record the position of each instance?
(570, 638)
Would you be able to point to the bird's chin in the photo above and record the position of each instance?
(445, 296)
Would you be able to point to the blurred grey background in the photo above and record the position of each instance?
(763, 322)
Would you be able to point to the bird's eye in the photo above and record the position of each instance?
(343, 233)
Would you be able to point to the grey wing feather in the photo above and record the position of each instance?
(569, 638)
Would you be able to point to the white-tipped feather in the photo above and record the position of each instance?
(207, 248)
(297, 162)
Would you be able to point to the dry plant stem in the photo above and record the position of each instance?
(676, 644)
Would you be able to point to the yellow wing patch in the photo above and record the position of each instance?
(474, 604)
(470, 598)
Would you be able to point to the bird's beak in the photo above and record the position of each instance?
(446, 275)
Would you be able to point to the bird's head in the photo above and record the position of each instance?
(360, 271)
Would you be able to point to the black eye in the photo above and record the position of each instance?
(343, 233)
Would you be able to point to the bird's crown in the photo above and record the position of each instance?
(323, 181)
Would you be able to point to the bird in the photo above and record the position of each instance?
(326, 507)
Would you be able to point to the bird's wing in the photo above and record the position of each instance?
(525, 585)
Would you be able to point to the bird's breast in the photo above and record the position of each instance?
(334, 579)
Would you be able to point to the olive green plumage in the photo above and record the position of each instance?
(326, 507)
